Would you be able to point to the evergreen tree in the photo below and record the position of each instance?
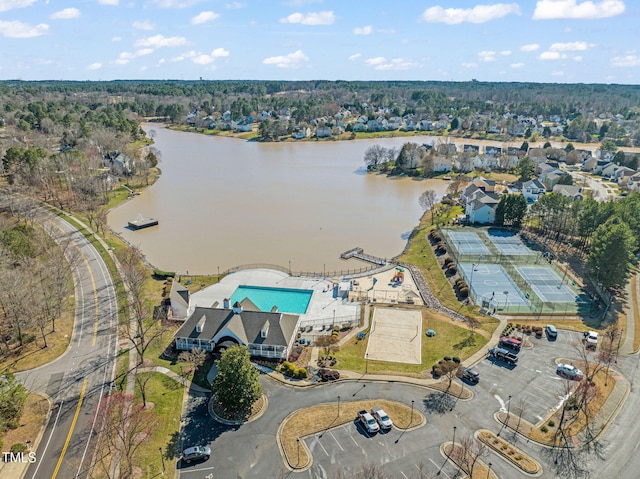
(612, 247)
(236, 385)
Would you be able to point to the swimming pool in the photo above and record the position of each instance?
(287, 300)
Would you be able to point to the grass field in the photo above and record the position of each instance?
(32, 420)
(165, 395)
(452, 339)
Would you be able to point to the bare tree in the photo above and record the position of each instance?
(609, 348)
(428, 200)
(196, 358)
(374, 155)
(467, 452)
(456, 186)
(141, 381)
(126, 427)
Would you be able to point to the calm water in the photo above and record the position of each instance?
(223, 202)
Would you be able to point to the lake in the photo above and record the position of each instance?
(223, 202)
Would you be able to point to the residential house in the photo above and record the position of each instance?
(301, 132)
(442, 165)
(477, 184)
(323, 131)
(266, 334)
(600, 165)
(119, 163)
(633, 184)
(493, 150)
(609, 170)
(622, 175)
(574, 192)
(589, 164)
(178, 301)
(245, 127)
(481, 208)
(532, 190)
(550, 178)
(475, 149)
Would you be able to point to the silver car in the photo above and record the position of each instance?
(196, 453)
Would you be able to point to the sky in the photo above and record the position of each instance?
(556, 41)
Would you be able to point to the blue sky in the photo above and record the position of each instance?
(559, 41)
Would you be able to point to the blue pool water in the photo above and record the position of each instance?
(287, 300)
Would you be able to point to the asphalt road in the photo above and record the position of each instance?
(77, 381)
(250, 451)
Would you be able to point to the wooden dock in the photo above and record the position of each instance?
(359, 253)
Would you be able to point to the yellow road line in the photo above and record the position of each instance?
(93, 284)
(73, 425)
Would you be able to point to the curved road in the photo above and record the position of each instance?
(78, 380)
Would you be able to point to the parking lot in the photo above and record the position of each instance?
(533, 383)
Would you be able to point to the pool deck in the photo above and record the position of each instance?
(323, 306)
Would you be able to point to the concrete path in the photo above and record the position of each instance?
(176, 377)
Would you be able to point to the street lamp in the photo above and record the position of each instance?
(162, 459)
(298, 442)
(489, 471)
(366, 363)
(454, 439)
(506, 298)
(338, 406)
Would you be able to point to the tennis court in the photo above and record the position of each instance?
(467, 243)
(490, 283)
(547, 285)
(508, 243)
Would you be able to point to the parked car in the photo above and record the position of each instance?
(503, 355)
(196, 453)
(591, 338)
(368, 422)
(569, 371)
(469, 374)
(552, 332)
(383, 419)
(511, 343)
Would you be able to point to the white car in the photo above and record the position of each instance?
(383, 419)
(591, 337)
(569, 371)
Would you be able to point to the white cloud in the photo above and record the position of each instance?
(470, 65)
(561, 9)
(355, 56)
(577, 58)
(173, 3)
(144, 51)
(65, 14)
(161, 61)
(313, 18)
(571, 47)
(487, 56)
(109, 2)
(204, 59)
(6, 5)
(531, 47)
(146, 25)
(375, 61)
(292, 60)
(189, 54)
(95, 66)
(396, 64)
(505, 53)
(116, 39)
(517, 65)
(16, 29)
(126, 57)
(626, 61)
(204, 17)
(477, 14)
(552, 56)
(368, 30)
(158, 41)
(234, 5)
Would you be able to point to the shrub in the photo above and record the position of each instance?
(288, 369)
(19, 447)
(551, 423)
(436, 371)
(335, 333)
(448, 261)
(301, 373)
(544, 429)
(447, 358)
(464, 292)
(336, 328)
(456, 359)
(159, 274)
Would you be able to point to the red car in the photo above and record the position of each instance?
(511, 343)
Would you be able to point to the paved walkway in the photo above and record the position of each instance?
(184, 381)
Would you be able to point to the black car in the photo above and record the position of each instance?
(469, 374)
(503, 355)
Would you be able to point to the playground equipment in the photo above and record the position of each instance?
(398, 278)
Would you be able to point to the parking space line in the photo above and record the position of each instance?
(334, 438)
(405, 476)
(320, 444)
(440, 470)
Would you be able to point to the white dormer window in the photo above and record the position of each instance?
(265, 330)
(200, 325)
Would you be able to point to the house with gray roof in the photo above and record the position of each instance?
(572, 191)
(532, 190)
(267, 334)
(178, 300)
(481, 207)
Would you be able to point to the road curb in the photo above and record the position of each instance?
(228, 422)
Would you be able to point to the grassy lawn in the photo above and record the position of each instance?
(166, 396)
(452, 339)
(32, 355)
(32, 420)
(324, 416)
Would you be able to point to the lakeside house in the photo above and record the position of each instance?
(532, 190)
(267, 334)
